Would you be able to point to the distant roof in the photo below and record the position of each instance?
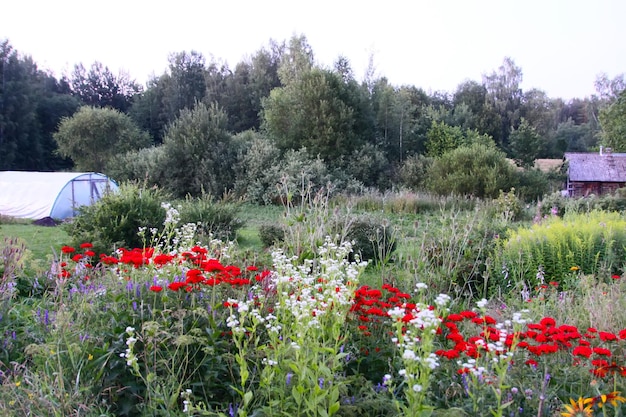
(595, 167)
(547, 165)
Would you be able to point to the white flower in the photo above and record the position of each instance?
(482, 303)
(417, 387)
(420, 286)
(408, 355)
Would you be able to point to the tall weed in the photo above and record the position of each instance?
(593, 243)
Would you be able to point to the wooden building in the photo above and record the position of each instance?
(595, 173)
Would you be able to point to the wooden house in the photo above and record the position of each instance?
(595, 173)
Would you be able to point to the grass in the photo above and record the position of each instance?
(40, 241)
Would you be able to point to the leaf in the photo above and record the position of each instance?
(247, 398)
(297, 395)
(334, 407)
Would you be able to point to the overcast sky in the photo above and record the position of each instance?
(561, 45)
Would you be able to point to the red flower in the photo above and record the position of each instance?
(90, 253)
(175, 286)
(162, 259)
(582, 351)
(531, 362)
(156, 288)
(622, 334)
(607, 337)
(86, 245)
(616, 276)
(454, 317)
(601, 351)
(68, 249)
(252, 268)
(548, 322)
(77, 257)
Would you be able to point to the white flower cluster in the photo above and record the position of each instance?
(172, 215)
(131, 359)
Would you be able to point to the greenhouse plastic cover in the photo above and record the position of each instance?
(35, 195)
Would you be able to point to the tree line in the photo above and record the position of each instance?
(204, 126)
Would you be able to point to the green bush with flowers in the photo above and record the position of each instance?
(178, 328)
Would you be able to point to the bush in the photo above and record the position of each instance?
(477, 170)
(594, 243)
(414, 170)
(271, 234)
(372, 239)
(216, 219)
(114, 220)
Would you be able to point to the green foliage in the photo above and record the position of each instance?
(413, 171)
(114, 220)
(594, 243)
(215, 219)
(372, 239)
(508, 205)
(198, 153)
(317, 111)
(477, 170)
(139, 165)
(271, 234)
(442, 138)
(533, 184)
(556, 203)
(370, 166)
(92, 136)
(613, 121)
(525, 144)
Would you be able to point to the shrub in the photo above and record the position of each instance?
(115, 219)
(477, 170)
(216, 219)
(271, 234)
(414, 170)
(592, 243)
(372, 239)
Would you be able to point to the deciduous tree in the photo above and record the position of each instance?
(93, 135)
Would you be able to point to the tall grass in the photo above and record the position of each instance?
(558, 249)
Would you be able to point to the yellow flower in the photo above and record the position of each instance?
(574, 268)
(18, 383)
(580, 408)
(614, 398)
(90, 357)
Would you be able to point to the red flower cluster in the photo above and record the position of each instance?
(539, 339)
(546, 337)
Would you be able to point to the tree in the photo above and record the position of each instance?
(316, 111)
(199, 153)
(101, 88)
(20, 144)
(613, 122)
(525, 144)
(296, 61)
(505, 95)
(93, 135)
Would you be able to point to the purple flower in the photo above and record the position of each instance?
(288, 378)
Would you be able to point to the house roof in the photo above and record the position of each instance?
(595, 167)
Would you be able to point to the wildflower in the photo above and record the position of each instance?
(574, 268)
(156, 288)
(68, 249)
(614, 398)
(581, 407)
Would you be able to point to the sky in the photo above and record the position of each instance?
(560, 45)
